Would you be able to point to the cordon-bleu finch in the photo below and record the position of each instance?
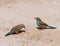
(42, 25)
(16, 29)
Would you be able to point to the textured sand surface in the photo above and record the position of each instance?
(13, 12)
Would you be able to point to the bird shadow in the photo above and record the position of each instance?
(44, 28)
(18, 32)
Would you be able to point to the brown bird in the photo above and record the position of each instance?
(16, 29)
(42, 25)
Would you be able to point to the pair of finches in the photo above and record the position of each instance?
(41, 25)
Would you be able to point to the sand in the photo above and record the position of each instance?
(14, 12)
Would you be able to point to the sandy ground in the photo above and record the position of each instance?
(13, 12)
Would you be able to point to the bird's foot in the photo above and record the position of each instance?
(39, 28)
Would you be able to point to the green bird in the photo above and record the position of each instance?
(16, 29)
(42, 25)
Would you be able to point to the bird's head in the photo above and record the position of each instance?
(22, 25)
(37, 18)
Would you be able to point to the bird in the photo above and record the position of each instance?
(43, 25)
(16, 29)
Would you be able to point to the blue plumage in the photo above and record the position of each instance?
(43, 25)
(38, 23)
(51, 27)
(8, 33)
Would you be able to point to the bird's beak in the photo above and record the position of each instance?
(24, 26)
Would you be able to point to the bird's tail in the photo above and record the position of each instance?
(8, 34)
(51, 27)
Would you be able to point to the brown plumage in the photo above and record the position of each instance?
(16, 29)
(41, 22)
(42, 25)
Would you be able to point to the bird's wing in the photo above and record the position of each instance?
(42, 23)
